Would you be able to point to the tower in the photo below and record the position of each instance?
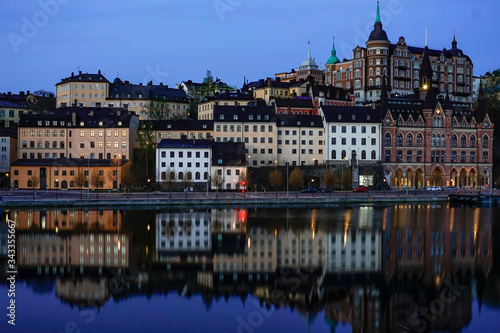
(377, 48)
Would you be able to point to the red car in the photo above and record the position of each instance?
(360, 189)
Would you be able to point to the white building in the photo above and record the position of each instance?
(8, 150)
(183, 160)
(351, 130)
(353, 251)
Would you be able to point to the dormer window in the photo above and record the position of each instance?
(258, 117)
(169, 126)
(128, 95)
(47, 123)
(368, 117)
(221, 117)
(298, 123)
(266, 117)
(82, 123)
(235, 117)
(140, 95)
(100, 123)
(353, 117)
(117, 95)
(120, 123)
(339, 117)
(39, 123)
(250, 117)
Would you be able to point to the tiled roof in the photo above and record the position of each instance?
(297, 120)
(185, 143)
(293, 102)
(182, 124)
(233, 113)
(229, 95)
(146, 92)
(84, 77)
(350, 114)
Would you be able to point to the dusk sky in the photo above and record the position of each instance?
(171, 41)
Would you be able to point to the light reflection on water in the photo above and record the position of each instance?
(370, 268)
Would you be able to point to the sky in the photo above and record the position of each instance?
(43, 41)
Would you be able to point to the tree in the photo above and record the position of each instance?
(186, 181)
(217, 181)
(145, 165)
(156, 110)
(276, 180)
(347, 178)
(35, 182)
(329, 179)
(79, 180)
(127, 176)
(296, 179)
(492, 97)
(169, 180)
(96, 179)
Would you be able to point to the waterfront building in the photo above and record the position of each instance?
(400, 64)
(229, 167)
(185, 162)
(228, 98)
(253, 125)
(180, 128)
(78, 132)
(8, 150)
(61, 173)
(300, 140)
(433, 141)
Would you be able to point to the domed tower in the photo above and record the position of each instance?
(309, 67)
(377, 48)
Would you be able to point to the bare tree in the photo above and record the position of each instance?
(157, 110)
(79, 180)
(276, 180)
(35, 182)
(217, 181)
(329, 178)
(96, 179)
(296, 179)
(186, 181)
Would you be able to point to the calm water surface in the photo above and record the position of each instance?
(396, 268)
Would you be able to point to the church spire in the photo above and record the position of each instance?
(377, 19)
(333, 58)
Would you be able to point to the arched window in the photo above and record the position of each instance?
(163, 175)
(71, 184)
(399, 156)
(462, 141)
(419, 122)
(363, 154)
(371, 82)
(30, 183)
(344, 154)
(374, 155)
(409, 156)
(453, 141)
(472, 141)
(334, 154)
(64, 184)
(409, 140)
(485, 141)
(181, 176)
(197, 175)
(442, 140)
(387, 140)
(399, 140)
(387, 155)
(419, 140)
(189, 175)
(16, 183)
(433, 140)
(172, 175)
(205, 175)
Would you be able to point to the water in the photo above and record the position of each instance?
(393, 268)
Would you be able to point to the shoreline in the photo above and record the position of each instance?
(280, 201)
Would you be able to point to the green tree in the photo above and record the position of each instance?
(79, 180)
(296, 180)
(156, 110)
(276, 180)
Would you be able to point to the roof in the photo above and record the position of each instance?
(147, 92)
(269, 82)
(228, 154)
(85, 77)
(293, 102)
(5, 131)
(229, 95)
(92, 117)
(84, 162)
(297, 120)
(330, 92)
(181, 124)
(378, 33)
(9, 104)
(185, 143)
(259, 113)
(350, 114)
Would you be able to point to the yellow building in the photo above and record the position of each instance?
(82, 89)
(62, 173)
(236, 98)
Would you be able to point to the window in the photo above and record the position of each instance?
(409, 140)
(453, 141)
(472, 141)
(387, 140)
(399, 140)
(419, 140)
(374, 155)
(344, 129)
(463, 141)
(353, 129)
(485, 141)
(399, 156)
(363, 141)
(363, 154)
(409, 156)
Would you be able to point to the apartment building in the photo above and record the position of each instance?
(8, 149)
(78, 132)
(206, 107)
(228, 165)
(178, 129)
(253, 125)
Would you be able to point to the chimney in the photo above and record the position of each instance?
(81, 105)
(127, 82)
(99, 71)
(140, 84)
(9, 93)
(73, 118)
(27, 92)
(80, 72)
(161, 83)
(278, 79)
(72, 74)
(21, 93)
(150, 83)
(177, 86)
(166, 86)
(269, 82)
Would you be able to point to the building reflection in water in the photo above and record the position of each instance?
(374, 268)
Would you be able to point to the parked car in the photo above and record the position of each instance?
(327, 190)
(310, 190)
(450, 188)
(433, 188)
(360, 189)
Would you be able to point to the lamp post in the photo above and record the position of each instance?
(88, 177)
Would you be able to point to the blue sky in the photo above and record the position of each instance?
(171, 41)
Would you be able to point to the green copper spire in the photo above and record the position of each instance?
(333, 59)
(377, 20)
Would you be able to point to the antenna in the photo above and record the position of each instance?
(425, 36)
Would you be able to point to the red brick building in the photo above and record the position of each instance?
(430, 141)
